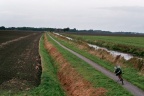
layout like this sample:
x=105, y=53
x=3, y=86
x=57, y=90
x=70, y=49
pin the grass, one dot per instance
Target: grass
x=50, y=85
x=134, y=41
x=131, y=74
x=133, y=45
x=96, y=78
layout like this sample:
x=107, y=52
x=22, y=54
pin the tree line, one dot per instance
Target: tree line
x=69, y=30
x=38, y=29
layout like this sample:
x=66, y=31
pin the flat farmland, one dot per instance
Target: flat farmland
x=135, y=41
x=18, y=61
x=133, y=45
x=11, y=35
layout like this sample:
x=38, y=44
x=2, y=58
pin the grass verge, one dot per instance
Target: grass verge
x=50, y=85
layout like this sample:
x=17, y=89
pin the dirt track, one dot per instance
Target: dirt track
x=127, y=85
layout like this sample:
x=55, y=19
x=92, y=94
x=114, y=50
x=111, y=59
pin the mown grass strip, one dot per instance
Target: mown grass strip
x=96, y=78
x=130, y=74
x=50, y=85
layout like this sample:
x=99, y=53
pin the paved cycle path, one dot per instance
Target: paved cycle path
x=127, y=85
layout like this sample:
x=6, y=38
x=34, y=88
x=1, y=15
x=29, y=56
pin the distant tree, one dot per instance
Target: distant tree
x=11, y=28
x=91, y=30
x=73, y=30
x=51, y=29
x=2, y=28
x=66, y=29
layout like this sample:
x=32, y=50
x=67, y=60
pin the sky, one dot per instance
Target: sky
x=108, y=15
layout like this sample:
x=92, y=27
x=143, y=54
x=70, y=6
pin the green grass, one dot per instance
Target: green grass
x=134, y=41
x=50, y=85
x=133, y=45
x=131, y=74
x=96, y=78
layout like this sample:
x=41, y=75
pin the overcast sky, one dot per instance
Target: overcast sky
x=110, y=15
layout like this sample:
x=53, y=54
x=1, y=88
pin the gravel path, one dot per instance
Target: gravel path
x=127, y=85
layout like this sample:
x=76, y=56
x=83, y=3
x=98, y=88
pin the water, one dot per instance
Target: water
x=64, y=36
x=69, y=38
x=113, y=53
x=58, y=34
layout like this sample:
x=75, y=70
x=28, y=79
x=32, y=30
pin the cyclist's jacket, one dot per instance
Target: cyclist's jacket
x=118, y=71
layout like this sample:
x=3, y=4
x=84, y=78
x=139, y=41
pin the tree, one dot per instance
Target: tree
x=66, y=29
x=2, y=28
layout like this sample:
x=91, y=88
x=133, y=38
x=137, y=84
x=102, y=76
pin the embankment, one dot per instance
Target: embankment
x=73, y=83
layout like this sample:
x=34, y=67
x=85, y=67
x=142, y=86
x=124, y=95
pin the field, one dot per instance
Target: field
x=132, y=41
x=62, y=73
x=18, y=61
x=19, y=74
x=11, y=35
x=132, y=45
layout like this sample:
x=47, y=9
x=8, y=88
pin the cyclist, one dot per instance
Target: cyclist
x=118, y=73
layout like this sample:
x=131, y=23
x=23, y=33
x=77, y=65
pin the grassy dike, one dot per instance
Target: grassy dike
x=96, y=78
x=130, y=74
x=50, y=85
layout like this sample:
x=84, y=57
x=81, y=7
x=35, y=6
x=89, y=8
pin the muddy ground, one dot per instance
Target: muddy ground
x=11, y=35
x=18, y=64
